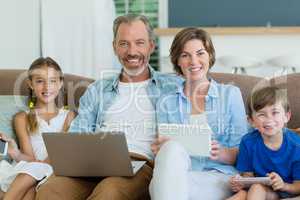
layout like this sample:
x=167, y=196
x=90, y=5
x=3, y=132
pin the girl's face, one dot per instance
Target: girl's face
x=45, y=84
x=194, y=60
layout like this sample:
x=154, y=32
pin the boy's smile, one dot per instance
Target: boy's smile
x=270, y=120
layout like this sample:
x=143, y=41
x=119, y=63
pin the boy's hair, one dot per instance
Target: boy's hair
x=37, y=64
x=267, y=96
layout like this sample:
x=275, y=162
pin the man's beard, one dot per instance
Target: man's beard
x=139, y=69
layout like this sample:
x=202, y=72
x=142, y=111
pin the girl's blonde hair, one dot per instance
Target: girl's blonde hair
x=37, y=64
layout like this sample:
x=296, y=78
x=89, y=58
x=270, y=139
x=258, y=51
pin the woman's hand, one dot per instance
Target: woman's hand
x=223, y=154
x=215, y=150
x=158, y=142
x=12, y=150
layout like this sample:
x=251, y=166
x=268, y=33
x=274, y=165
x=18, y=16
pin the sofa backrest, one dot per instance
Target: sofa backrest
x=12, y=82
x=246, y=83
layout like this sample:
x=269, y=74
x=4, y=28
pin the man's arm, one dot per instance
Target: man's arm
x=87, y=112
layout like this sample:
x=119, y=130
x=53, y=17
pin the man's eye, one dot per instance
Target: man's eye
x=141, y=43
x=123, y=44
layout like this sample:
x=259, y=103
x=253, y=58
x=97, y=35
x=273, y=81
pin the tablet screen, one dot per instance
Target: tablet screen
x=195, y=139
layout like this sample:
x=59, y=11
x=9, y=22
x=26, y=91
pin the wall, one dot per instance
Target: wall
x=260, y=47
x=234, y=13
x=19, y=35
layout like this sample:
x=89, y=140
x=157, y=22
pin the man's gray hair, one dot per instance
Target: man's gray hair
x=129, y=18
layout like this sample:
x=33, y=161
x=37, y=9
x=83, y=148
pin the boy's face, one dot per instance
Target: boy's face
x=270, y=120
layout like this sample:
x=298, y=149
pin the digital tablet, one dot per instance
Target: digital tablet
x=252, y=180
x=195, y=139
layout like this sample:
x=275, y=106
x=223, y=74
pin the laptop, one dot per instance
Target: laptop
x=90, y=154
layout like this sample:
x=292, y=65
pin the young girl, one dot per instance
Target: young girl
x=45, y=81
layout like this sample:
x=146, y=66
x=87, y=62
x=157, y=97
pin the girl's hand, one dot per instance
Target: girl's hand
x=12, y=150
x=215, y=150
x=235, y=186
x=276, y=181
x=158, y=142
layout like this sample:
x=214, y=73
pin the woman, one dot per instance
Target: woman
x=176, y=174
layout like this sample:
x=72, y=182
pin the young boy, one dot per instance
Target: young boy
x=270, y=150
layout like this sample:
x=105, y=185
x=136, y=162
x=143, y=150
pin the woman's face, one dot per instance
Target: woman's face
x=194, y=61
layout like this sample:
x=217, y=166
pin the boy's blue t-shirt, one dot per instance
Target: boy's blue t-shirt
x=254, y=156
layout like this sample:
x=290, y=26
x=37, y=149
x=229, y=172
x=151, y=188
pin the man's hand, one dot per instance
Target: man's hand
x=158, y=142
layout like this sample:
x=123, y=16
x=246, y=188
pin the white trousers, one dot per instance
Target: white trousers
x=174, y=180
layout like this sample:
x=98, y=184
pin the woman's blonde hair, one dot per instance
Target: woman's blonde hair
x=37, y=64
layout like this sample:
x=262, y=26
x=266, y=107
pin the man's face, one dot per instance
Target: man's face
x=133, y=47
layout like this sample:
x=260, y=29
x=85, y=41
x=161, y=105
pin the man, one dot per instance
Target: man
x=126, y=101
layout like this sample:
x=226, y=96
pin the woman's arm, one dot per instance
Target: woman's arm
x=238, y=126
x=20, y=125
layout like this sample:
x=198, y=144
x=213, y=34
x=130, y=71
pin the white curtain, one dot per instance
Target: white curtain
x=78, y=34
x=19, y=33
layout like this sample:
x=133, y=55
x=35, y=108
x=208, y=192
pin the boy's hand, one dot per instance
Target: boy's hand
x=235, y=186
x=276, y=181
x=158, y=142
x=12, y=150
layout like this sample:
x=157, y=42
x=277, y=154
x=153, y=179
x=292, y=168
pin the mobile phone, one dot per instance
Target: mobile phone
x=3, y=147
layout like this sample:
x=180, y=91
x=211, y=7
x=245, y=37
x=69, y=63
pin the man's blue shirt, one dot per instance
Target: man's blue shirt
x=101, y=94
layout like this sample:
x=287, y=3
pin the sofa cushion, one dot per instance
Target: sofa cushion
x=291, y=82
x=9, y=106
